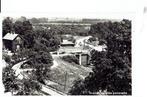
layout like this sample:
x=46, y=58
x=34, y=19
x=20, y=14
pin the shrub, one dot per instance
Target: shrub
x=7, y=58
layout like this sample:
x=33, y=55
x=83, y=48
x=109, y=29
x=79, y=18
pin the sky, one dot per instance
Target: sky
x=72, y=8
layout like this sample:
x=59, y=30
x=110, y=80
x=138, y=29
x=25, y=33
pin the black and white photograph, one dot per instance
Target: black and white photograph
x=66, y=56
x=73, y=48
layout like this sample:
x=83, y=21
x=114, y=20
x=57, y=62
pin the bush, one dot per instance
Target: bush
x=9, y=79
x=7, y=58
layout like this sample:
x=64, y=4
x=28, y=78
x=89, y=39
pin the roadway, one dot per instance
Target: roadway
x=46, y=89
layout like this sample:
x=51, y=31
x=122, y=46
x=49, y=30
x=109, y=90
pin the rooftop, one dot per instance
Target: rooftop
x=10, y=36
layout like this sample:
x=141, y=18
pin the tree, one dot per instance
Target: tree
x=9, y=79
x=47, y=38
x=78, y=88
x=112, y=69
x=34, y=20
x=40, y=43
x=25, y=30
x=28, y=87
x=18, y=27
x=41, y=61
x=19, y=87
x=7, y=26
x=21, y=27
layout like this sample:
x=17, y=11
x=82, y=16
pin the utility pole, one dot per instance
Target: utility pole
x=84, y=44
x=65, y=80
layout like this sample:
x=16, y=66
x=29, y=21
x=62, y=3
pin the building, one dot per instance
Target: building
x=84, y=59
x=67, y=40
x=12, y=42
x=67, y=43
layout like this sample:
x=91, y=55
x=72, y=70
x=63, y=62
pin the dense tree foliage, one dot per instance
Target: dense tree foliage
x=21, y=27
x=68, y=29
x=28, y=87
x=38, y=45
x=25, y=30
x=7, y=26
x=112, y=69
x=16, y=86
x=9, y=79
x=44, y=43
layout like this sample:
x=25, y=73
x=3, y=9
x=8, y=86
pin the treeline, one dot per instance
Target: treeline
x=111, y=68
x=38, y=20
x=81, y=30
x=70, y=29
x=67, y=20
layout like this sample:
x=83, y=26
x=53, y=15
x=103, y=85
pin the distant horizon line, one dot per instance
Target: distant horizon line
x=65, y=18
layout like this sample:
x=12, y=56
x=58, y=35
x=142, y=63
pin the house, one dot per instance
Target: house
x=12, y=42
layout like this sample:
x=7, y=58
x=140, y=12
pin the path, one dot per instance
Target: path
x=46, y=89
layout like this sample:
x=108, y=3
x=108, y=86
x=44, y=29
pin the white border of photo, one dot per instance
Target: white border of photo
x=101, y=9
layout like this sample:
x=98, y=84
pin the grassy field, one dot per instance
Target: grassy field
x=65, y=74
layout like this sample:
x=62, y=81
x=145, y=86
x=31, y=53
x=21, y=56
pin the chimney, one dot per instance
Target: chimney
x=12, y=32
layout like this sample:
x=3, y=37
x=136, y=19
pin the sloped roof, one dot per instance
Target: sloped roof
x=10, y=36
